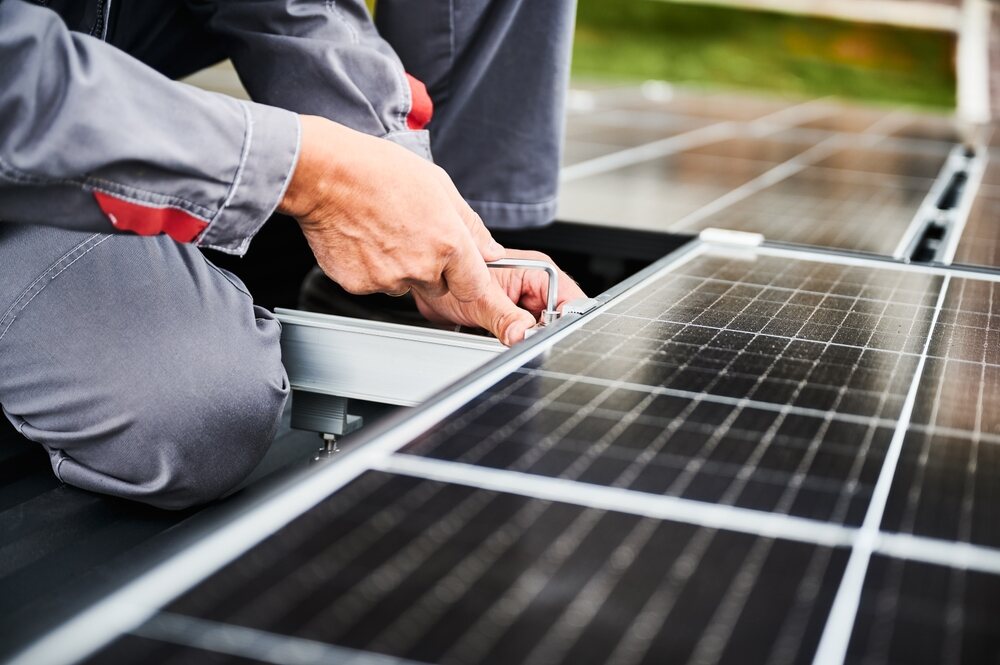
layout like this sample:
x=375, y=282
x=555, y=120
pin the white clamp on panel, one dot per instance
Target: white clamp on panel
x=728, y=237
x=580, y=306
x=551, y=312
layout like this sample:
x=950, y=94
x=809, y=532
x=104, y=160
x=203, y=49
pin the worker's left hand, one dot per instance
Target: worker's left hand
x=511, y=305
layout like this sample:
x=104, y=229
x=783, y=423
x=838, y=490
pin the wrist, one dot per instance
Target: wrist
x=299, y=198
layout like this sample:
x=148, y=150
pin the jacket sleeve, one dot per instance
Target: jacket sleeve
x=321, y=57
x=91, y=139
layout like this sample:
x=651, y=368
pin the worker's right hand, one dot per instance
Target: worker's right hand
x=380, y=219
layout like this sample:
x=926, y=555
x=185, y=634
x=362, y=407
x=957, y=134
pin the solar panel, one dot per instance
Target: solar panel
x=767, y=384
x=434, y=572
x=613, y=128
x=991, y=176
x=722, y=106
x=889, y=158
x=980, y=242
x=716, y=466
x=827, y=208
x=913, y=612
x=947, y=485
x=772, y=148
x=788, y=179
x=930, y=129
x=846, y=120
x=658, y=192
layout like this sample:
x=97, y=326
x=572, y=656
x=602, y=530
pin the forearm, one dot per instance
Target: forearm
x=324, y=59
x=91, y=139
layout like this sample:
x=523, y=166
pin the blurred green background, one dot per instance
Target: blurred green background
x=705, y=45
x=778, y=53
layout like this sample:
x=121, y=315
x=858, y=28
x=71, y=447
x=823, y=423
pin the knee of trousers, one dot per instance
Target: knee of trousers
x=179, y=447
x=160, y=383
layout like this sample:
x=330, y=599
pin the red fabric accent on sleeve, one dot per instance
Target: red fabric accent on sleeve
x=148, y=220
x=422, y=108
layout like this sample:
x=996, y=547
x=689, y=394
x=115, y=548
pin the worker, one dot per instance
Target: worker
x=144, y=370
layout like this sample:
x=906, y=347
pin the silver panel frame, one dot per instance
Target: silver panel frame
x=375, y=361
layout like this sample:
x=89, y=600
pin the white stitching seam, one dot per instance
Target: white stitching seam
x=277, y=201
x=28, y=288
x=51, y=278
x=331, y=6
x=244, y=157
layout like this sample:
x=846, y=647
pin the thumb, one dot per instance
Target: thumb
x=496, y=312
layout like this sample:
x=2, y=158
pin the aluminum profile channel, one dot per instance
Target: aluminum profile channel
x=379, y=362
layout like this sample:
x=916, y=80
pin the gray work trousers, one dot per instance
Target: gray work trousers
x=147, y=372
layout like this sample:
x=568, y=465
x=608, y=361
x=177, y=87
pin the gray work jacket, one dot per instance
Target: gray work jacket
x=92, y=138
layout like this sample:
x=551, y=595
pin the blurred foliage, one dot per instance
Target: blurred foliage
x=650, y=39
x=720, y=46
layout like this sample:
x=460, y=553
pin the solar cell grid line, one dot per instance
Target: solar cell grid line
x=784, y=504
x=918, y=613
x=572, y=445
x=839, y=157
x=841, y=620
x=780, y=172
x=180, y=640
x=655, y=207
x=644, y=504
x=566, y=378
x=786, y=644
x=856, y=120
x=972, y=238
x=609, y=390
x=277, y=599
x=980, y=240
x=932, y=128
x=505, y=609
x=791, y=115
x=822, y=151
x=813, y=207
x=947, y=485
x=885, y=158
x=940, y=552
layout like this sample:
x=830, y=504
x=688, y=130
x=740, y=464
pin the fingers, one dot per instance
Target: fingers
x=498, y=314
x=466, y=275
x=568, y=289
x=531, y=287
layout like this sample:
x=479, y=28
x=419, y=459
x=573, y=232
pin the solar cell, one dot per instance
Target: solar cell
x=750, y=381
x=433, y=572
x=658, y=192
x=846, y=120
x=948, y=483
x=889, y=159
x=766, y=149
x=930, y=129
x=826, y=208
x=721, y=106
x=913, y=612
x=627, y=130
x=991, y=176
x=980, y=241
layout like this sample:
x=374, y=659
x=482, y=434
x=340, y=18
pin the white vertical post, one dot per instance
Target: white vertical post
x=973, y=62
